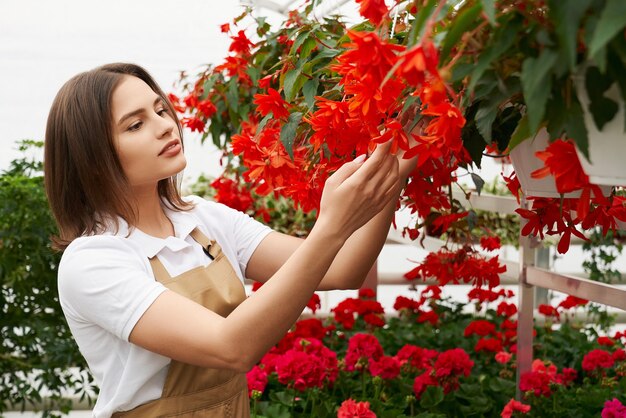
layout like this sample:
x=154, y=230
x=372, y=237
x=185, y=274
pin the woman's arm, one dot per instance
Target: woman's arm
x=183, y=330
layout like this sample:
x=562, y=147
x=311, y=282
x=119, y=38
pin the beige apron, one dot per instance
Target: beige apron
x=192, y=391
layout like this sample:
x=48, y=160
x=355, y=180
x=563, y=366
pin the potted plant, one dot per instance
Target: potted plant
x=301, y=99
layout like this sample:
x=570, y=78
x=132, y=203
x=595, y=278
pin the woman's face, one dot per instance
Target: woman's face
x=145, y=134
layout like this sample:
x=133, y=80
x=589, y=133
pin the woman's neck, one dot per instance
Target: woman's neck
x=152, y=219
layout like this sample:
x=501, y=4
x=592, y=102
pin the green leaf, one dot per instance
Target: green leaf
x=288, y=132
x=489, y=7
x=300, y=39
x=478, y=182
x=520, y=134
x=567, y=16
x=309, y=90
x=465, y=20
x=289, y=85
x=536, y=84
x=612, y=21
x=306, y=49
x=504, y=37
x=575, y=127
x=487, y=112
x=432, y=396
x=602, y=108
x=417, y=27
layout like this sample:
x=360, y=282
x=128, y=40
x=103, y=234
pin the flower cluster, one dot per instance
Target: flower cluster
x=464, y=265
x=564, y=217
x=327, y=369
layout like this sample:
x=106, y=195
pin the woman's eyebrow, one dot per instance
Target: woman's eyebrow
x=138, y=111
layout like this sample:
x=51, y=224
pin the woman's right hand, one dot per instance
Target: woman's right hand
x=358, y=191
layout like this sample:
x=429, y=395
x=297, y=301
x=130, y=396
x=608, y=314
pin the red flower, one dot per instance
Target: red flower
x=548, y=311
x=352, y=409
x=417, y=63
x=404, y=303
x=257, y=380
x=572, y=301
x=314, y=303
x=506, y=309
x=493, y=345
x=606, y=341
x=490, y=243
x=361, y=349
x=537, y=382
x=512, y=407
x=271, y=102
x=619, y=355
x=562, y=162
x=453, y=363
x=175, y=101
x=428, y=316
x=195, y=124
x=597, y=359
x=422, y=381
x=311, y=328
x=206, y=108
x=417, y=357
x=232, y=194
x=480, y=327
x=376, y=320
x=386, y=367
x=224, y=28
x=241, y=44
x=373, y=10
x=463, y=265
x=365, y=293
x=309, y=364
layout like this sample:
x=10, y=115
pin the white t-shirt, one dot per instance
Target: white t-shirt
x=106, y=284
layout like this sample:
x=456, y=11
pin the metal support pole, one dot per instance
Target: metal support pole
x=526, y=305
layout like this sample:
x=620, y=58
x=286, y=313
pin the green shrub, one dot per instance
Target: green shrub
x=40, y=365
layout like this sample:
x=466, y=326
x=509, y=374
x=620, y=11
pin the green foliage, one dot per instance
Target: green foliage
x=38, y=356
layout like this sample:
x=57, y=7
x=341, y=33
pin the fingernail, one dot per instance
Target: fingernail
x=359, y=159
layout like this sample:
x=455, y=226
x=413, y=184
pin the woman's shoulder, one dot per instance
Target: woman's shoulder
x=99, y=249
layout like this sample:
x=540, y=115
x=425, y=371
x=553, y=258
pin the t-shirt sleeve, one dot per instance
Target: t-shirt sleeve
x=103, y=280
x=243, y=231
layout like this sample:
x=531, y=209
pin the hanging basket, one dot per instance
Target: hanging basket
x=607, y=148
x=525, y=162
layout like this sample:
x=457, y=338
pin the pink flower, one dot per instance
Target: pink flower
x=513, y=406
x=503, y=357
x=613, y=409
x=352, y=409
x=257, y=380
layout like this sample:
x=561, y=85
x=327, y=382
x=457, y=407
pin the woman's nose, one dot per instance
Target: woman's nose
x=166, y=126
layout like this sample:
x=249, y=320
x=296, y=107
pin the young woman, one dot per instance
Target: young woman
x=151, y=283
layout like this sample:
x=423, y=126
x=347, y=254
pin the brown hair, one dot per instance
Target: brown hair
x=84, y=180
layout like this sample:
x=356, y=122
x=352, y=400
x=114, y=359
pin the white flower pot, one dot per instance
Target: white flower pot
x=607, y=148
x=525, y=162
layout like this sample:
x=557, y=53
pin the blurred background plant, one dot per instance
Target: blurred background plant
x=39, y=361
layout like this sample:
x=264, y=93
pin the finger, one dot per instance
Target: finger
x=346, y=170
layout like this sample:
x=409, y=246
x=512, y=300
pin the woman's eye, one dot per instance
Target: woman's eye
x=135, y=126
x=162, y=112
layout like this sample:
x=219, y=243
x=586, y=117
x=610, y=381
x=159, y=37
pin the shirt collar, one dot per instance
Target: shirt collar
x=184, y=222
